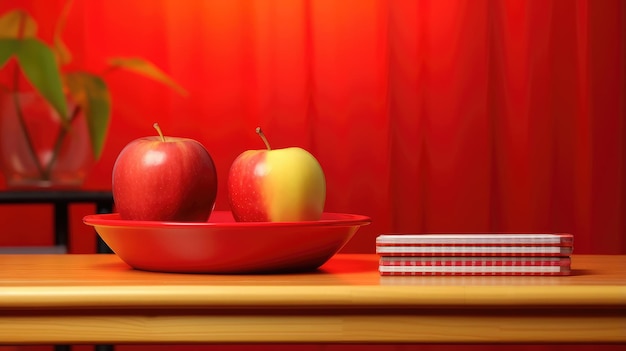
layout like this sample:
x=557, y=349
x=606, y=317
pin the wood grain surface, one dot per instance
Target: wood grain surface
x=99, y=299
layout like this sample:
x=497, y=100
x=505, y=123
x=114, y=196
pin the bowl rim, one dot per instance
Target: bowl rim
x=336, y=219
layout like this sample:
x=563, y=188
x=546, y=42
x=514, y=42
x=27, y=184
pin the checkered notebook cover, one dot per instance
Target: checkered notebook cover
x=428, y=266
x=474, y=245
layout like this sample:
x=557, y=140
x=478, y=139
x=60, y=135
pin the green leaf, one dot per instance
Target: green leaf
x=8, y=48
x=40, y=67
x=17, y=24
x=147, y=69
x=90, y=92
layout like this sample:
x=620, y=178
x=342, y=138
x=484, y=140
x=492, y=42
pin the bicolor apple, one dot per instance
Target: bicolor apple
x=276, y=185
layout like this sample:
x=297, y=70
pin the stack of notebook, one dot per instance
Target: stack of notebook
x=474, y=254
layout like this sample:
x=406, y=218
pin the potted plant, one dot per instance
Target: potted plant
x=53, y=121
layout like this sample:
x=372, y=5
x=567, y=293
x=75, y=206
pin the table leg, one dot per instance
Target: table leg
x=61, y=226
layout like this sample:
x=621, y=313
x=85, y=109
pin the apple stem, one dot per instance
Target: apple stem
x=260, y=133
x=158, y=129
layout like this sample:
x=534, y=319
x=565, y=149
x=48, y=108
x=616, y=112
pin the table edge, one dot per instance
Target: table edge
x=234, y=297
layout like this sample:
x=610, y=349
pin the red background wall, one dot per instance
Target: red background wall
x=428, y=116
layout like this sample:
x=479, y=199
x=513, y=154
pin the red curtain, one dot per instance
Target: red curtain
x=428, y=116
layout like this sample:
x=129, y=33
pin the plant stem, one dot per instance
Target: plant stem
x=23, y=127
x=65, y=127
x=20, y=113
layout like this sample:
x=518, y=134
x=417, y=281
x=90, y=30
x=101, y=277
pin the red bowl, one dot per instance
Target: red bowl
x=225, y=246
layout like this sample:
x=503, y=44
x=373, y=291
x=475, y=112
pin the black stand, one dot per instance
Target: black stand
x=61, y=199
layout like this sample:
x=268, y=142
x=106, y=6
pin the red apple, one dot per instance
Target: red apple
x=164, y=179
x=281, y=185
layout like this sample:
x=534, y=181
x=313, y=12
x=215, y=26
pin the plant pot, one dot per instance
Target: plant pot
x=36, y=148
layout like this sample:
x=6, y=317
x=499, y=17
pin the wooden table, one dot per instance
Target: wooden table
x=87, y=299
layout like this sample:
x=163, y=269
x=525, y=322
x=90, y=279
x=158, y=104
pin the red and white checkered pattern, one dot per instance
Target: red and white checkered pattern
x=474, y=266
x=474, y=254
x=556, y=245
